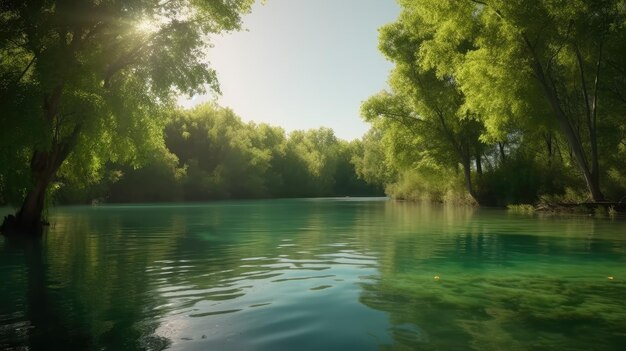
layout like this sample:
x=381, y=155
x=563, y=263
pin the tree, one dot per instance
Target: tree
x=427, y=105
x=544, y=59
x=370, y=161
x=528, y=74
x=83, y=82
x=223, y=157
x=309, y=163
x=210, y=153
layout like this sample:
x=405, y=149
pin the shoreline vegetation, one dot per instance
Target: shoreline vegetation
x=492, y=103
x=503, y=104
x=600, y=209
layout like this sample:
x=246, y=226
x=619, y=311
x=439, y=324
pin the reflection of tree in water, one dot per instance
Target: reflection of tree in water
x=112, y=278
x=13, y=289
x=41, y=322
x=235, y=245
x=117, y=279
x=496, y=292
x=86, y=286
x=243, y=256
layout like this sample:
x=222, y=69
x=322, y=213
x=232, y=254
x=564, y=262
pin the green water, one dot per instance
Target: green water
x=342, y=274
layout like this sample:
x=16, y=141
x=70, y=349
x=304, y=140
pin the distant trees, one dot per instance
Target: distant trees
x=211, y=154
x=86, y=82
x=221, y=156
x=491, y=84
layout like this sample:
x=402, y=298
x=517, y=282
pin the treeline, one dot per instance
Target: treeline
x=211, y=154
x=490, y=101
x=502, y=102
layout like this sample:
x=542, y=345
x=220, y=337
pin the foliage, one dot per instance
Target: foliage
x=429, y=186
x=526, y=99
x=521, y=208
x=89, y=81
x=212, y=154
x=370, y=161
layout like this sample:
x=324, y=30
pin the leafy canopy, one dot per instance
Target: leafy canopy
x=101, y=72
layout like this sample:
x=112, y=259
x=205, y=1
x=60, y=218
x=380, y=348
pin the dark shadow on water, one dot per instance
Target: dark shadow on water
x=51, y=306
x=45, y=322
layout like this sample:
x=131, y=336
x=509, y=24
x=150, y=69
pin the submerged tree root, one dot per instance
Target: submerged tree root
x=12, y=226
x=584, y=207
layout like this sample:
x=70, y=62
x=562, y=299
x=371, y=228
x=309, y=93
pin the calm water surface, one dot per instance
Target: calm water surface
x=334, y=274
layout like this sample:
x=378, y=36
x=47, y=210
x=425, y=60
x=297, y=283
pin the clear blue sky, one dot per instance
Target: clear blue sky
x=304, y=64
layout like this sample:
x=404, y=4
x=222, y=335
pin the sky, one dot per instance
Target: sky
x=303, y=64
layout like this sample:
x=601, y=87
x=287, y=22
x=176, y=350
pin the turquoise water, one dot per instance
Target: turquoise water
x=332, y=274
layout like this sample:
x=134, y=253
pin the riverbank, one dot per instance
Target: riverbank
x=591, y=208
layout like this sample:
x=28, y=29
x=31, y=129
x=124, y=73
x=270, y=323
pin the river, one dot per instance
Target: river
x=314, y=274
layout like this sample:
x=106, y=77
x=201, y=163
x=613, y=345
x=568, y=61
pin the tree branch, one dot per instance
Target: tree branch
x=596, y=84
x=484, y=3
x=583, y=82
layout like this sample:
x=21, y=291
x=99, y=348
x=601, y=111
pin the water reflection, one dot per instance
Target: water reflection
x=310, y=275
x=227, y=275
x=488, y=282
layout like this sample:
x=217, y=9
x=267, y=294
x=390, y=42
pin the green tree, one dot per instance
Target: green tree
x=535, y=85
x=370, y=161
x=427, y=105
x=156, y=181
x=318, y=149
x=212, y=154
x=83, y=82
x=223, y=157
x=550, y=60
x=347, y=180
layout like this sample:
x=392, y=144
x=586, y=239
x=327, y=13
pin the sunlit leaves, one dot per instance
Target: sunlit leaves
x=518, y=73
x=109, y=69
x=213, y=154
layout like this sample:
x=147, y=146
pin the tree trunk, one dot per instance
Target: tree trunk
x=592, y=180
x=29, y=218
x=30, y=214
x=549, y=149
x=502, y=153
x=44, y=166
x=467, y=172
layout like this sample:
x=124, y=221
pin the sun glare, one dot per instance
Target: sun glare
x=147, y=26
